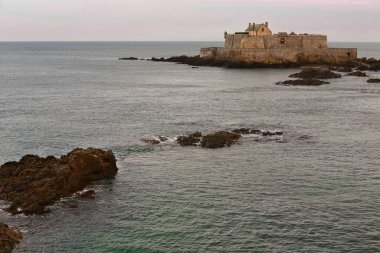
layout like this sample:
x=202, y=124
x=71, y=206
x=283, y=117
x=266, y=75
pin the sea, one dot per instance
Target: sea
x=315, y=189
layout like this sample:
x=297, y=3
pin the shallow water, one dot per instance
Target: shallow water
x=314, y=194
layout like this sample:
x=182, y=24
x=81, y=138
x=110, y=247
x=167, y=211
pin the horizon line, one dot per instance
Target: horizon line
x=7, y=41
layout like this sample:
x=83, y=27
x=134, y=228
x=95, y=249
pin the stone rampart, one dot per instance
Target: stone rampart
x=245, y=41
x=282, y=55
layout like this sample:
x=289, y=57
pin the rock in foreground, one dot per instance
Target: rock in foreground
x=34, y=182
x=316, y=73
x=303, y=82
x=9, y=237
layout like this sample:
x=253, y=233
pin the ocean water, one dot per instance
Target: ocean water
x=316, y=190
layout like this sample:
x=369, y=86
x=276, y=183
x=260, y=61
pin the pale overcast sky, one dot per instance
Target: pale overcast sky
x=183, y=20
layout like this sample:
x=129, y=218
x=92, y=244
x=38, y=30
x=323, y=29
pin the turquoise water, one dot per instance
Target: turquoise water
x=314, y=194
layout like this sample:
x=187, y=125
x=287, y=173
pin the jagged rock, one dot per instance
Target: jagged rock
x=151, y=141
x=198, y=61
x=373, y=80
x=129, y=58
x=316, y=73
x=34, y=182
x=357, y=73
x=191, y=140
x=304, y=82
x=375, y=67
x=9, y=237
x=90, y=194
x=219, y=139
x=163, y=138
x=341, y=68
x=268, y=133
x=371, y=60
x=246, y=131
x=363, y=67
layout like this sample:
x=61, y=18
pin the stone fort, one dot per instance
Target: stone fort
x=258, y=45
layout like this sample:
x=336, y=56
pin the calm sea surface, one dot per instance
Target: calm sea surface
x=317, y=193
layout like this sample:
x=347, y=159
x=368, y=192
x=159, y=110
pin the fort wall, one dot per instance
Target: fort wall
x=233, y=41
x=282, y=55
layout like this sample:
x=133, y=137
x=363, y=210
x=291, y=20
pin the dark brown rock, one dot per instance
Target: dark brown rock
x=199, y=61
x=246, y=131
x=9, y=237
x=268, y=133
x=316, y=73
x=34, y=182
x=375, y=67
x=373, y=80
x=363, y=67
x=190, y=140
x=128, y=59
x=302, y=82
x=371, y=60
x=90, y=194
x=219, y=139
x=357, y=73
x=163, y=138
x=151, y=141
x=72, y=206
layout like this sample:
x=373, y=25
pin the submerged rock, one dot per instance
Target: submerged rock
x=341, y=68
x=246, y=131
x=316, y=73
x=303, y=82
x=90, y=194
x=357, y=73
x=151, y=141
x=9, y=237
x=35, y=182
x=373, y=80
x=128, y=59
x=219, y=139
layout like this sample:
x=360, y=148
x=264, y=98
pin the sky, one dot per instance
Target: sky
x=183, y=20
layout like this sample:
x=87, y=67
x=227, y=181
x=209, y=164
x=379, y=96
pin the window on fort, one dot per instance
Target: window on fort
x=262, y=29
x=282, y=40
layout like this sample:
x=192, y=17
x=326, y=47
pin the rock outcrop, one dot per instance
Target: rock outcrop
x=33, y=183
x=199, y=61
x=357, y=73
x=128, y=59
x=9, y=237
x=360, y=64
x=368, y=64
x=373, y=80
x=219, y=139
x=316, y=73
x=193, y=139
x=303, y=82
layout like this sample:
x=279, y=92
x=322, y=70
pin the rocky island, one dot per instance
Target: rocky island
x=258, y=47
